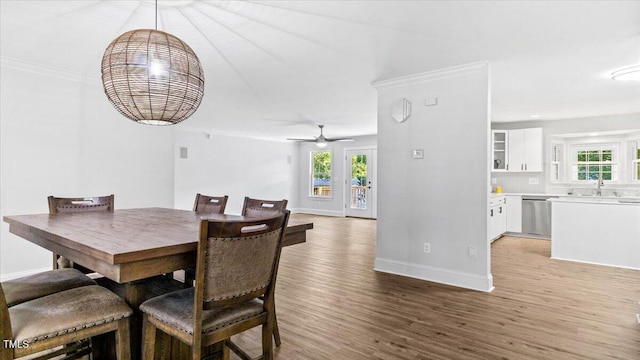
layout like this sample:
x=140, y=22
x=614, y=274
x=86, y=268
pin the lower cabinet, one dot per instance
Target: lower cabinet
x=497, y=217
x=514, y=213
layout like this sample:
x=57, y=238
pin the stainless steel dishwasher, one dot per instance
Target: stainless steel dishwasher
x=536, y=216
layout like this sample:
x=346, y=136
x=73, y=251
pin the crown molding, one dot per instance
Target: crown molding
x=431, y=75
x=46, y=70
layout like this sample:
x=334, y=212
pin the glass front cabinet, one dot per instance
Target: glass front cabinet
x=499, y=148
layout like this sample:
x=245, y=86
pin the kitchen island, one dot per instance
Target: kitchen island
x=597, y=230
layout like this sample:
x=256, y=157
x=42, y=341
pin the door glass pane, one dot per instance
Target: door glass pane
x=359, y=182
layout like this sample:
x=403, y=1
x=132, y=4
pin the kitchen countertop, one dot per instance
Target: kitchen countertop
x=633, y=201
x=494, y=194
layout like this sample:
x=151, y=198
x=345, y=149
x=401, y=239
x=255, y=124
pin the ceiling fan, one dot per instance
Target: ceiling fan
x=321, y=141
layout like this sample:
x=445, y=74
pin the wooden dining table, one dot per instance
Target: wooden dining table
x=128, y=246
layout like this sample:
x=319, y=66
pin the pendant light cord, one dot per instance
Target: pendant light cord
x=156, y=14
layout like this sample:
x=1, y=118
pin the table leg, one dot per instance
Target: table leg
x=134, y=295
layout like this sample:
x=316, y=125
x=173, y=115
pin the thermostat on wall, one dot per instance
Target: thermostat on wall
x=417, y=153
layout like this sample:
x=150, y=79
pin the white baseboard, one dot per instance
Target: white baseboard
x=439, y=275
x=19, y=274
x=317, y=212
x=595, y=263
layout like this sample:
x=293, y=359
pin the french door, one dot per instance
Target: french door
x=360, y=194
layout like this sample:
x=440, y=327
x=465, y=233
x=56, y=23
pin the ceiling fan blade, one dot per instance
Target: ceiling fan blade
x=339, y=139
x=307, y=140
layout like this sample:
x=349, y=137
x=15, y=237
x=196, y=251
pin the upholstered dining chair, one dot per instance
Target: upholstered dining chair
x=237, y=261
x=17, y=291
x=53, y=322
x=205, y=204
x=258, y=207
x=210, y=204
x=59, y=205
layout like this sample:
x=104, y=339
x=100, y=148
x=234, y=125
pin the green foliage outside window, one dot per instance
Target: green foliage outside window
x=359, y=169
x=321, y=173
x=593, y=163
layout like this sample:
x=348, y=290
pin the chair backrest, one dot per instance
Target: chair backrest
x=5, y=327
x=210, y=204
x=68, y=205
x=238, y=259
x=257, y=207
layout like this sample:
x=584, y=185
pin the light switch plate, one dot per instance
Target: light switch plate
x=417, y=153
x=431, y=101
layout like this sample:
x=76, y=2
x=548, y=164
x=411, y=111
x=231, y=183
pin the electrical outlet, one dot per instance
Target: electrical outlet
x=534, y=181
x=427, y=248
x=494, y=181
x=472, y=252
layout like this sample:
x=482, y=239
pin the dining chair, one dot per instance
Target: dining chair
x=210, y=204
x=59, y=205
x=258, y=207
x=237, y=261
x=63, y=323
x=42, y=284
x=205, y=204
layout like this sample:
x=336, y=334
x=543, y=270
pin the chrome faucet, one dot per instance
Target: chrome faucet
x=600, y=185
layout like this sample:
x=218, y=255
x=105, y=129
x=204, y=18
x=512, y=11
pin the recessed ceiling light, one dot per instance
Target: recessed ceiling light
x=627, y=74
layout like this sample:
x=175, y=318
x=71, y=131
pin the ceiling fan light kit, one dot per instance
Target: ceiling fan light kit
x=152, y=77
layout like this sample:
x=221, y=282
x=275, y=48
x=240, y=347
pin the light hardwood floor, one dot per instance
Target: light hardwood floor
x=332, y=305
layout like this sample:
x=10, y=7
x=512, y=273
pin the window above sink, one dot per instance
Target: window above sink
x=614, y=157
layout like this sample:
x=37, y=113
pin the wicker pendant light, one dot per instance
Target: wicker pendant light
x=152, y=77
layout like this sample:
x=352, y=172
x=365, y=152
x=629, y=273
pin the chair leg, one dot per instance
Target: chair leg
x=225, y=351
x=148, y=339
x=123, y=346
x=267, y=343
x=189, y=278
x=276, y=331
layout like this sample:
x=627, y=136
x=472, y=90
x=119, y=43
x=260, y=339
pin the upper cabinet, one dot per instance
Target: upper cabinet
x=499, y=150
x=522, y=150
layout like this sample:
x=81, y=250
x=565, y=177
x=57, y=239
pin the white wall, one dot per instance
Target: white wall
x=333, y=206
x=60, y=136
x=442, y=198
x=238, y=167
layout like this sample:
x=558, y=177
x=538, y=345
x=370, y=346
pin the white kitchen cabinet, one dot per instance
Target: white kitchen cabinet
x=497, y=217
x=514, y=213
x=499, y=146
x=517, y=150
x=525, y=150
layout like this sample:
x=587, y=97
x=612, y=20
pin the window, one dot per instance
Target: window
x=588, y=161
x=635, y=163
x=321, y=173
x=555, y=169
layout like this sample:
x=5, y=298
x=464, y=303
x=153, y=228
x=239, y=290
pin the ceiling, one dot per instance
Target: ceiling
x=276, y=69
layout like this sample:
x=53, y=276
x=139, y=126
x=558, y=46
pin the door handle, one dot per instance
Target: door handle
x=491, y=212
x=500, y=209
